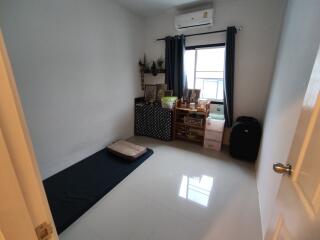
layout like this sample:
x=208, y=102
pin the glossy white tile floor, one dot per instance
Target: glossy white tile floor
x=182, y=192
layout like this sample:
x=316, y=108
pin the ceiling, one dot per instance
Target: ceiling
x=151, y=7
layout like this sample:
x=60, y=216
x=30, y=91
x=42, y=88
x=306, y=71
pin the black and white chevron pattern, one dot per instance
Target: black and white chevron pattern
x=153, y=121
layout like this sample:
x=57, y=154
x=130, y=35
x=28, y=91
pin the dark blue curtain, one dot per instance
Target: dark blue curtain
x=229, y=75
x=174, y=64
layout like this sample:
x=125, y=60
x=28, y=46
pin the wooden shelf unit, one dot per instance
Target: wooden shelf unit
x=186, y=131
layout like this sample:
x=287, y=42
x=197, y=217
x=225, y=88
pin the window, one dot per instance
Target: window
x=205, y=71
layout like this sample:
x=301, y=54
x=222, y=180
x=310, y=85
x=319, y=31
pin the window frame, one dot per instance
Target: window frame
x=196, y=47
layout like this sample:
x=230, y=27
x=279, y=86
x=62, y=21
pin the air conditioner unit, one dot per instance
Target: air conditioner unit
x=203, y=18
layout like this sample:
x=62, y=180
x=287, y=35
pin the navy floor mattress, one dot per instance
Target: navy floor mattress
x=74, y=190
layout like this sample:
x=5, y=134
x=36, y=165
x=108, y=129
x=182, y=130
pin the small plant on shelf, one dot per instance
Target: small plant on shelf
x=142, y=66
x=160, y=63
x=153, y=67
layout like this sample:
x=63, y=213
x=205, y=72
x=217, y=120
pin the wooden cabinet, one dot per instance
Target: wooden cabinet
x=189, y=124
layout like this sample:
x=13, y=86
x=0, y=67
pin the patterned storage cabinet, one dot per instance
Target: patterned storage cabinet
x=152, y=120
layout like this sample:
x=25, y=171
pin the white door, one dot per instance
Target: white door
x=296, y=214
x=24, y=209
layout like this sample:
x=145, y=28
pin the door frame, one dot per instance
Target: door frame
x=19, y=145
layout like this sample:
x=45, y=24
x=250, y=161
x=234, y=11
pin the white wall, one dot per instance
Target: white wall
x=297, y=51
x=256, y=46
x=75, y=64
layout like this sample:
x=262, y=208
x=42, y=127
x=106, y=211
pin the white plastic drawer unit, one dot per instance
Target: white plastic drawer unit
x=211, y=144
x=215, y=125
x=213, y=135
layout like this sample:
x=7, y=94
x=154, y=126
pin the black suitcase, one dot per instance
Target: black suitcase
x=245, y=138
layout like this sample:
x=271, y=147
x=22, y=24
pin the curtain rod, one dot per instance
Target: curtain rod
x=197, y=34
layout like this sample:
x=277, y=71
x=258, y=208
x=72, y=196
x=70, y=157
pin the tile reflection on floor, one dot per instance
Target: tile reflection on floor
x=182, y=191
x=196, y=189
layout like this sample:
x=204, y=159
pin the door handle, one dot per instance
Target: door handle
x=282, y=169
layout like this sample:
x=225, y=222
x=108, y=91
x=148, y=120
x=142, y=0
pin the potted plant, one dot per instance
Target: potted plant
x=160, y=63
x=154, y=69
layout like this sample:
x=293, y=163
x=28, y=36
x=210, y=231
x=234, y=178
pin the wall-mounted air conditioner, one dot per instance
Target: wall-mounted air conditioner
x=203, y=18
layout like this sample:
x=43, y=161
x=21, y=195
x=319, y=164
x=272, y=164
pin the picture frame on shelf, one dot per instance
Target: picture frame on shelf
x=168, y=93
x=150, y=93
x=193, y=95
x=161, y=88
